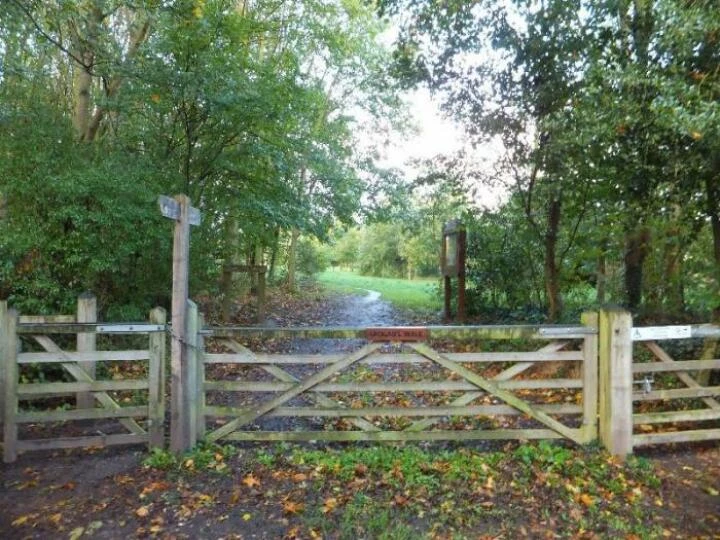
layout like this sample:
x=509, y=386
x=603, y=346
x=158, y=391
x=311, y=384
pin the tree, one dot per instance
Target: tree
x=222, y=100
x=509, y=93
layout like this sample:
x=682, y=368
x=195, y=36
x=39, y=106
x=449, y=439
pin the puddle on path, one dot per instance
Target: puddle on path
x=367, y=310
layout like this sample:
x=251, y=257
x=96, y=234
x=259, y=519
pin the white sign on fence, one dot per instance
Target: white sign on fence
x=652, y=333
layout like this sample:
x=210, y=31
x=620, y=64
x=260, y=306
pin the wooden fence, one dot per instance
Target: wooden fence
x=395, y=384
x=603, y=378
x=20, y=339
x=636, y=409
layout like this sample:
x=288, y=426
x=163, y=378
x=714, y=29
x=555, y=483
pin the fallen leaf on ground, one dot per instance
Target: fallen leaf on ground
x=329, y=505
x=291, y=507
x=250, y=481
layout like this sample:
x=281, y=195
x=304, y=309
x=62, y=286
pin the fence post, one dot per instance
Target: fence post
x=8, y=349
x=86, y=342
x=616, y=425
x=179, y=441
x=590, y=377
x=156, y=380
x=200, y=377
x=191, y=383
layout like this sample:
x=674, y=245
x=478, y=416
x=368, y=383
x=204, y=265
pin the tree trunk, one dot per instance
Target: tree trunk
x=636, y=250
x=231, y=249
x=712, y=193
x=273, y=254
x=82, y=84
x=672, y=280
x=601, y=275
x=552, y=272
x=292, y=259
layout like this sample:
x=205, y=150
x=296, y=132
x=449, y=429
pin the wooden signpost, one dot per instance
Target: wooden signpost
x=184, y=215
x=453, y=266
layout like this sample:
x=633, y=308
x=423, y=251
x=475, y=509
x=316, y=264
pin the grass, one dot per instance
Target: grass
x=410, y=492
x=418, y=294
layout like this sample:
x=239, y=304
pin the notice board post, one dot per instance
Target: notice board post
x=453, y=250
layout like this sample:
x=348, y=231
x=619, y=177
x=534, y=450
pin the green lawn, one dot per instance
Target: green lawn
x=412, y=294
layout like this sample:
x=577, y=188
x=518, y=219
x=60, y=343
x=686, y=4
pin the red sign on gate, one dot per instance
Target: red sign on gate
x=400, y=333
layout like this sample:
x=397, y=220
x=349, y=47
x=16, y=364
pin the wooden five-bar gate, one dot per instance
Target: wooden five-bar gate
x=399, y=384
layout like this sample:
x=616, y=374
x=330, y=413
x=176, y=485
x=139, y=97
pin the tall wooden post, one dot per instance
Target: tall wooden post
x=452, y=263
x=191, y=380
x=200, y=377
x=86, y=342
x=8, y=352
x=589, y=319
x=462, y=247
x=615, y=386
x=184, y=215
x=156, y=380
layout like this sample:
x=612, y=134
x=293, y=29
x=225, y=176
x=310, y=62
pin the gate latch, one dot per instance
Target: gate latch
x=646, y=383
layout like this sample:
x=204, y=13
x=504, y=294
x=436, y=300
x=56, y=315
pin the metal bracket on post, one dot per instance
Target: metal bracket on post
x=646, y=383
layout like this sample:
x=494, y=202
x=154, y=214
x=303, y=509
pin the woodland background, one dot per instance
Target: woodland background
x=273, y=117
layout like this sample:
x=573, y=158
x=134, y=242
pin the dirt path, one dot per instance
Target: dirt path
x=367, y=310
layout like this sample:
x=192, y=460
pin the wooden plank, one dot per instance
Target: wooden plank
x=96, y=356
x=696, y=415
x=615, y=386
x=40, y=389
x=416, y=386
x=179, y=435
x=493, y=388
x=441, y=411
x=250, y=358
x=156, y=382
x=103, y=398
x=8, y=348
x=683, y=365
x=86, y=343
x=282, y=375
x=469, y=397
x=192, y=384
x=460, y=435
x=434, y=332
x=685, y=377
x=97, y=328
x=46, y=319
x=590, y=377
x=677, y=393
x=82, y=442
x=296, y=390
x=80, y=414
x=676, y=437
x=201, y=427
